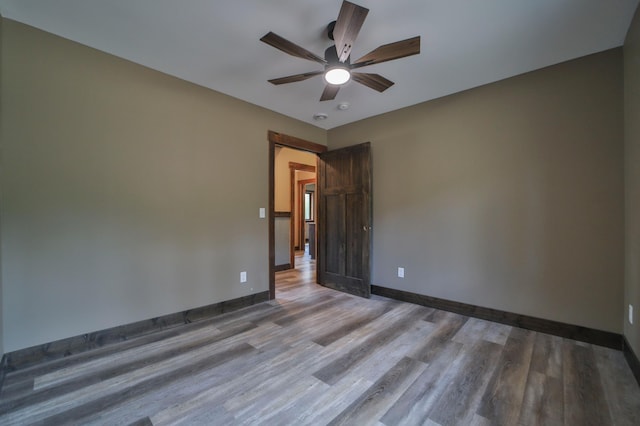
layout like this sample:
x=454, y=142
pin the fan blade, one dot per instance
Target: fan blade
x=294, y=78
x=389, y=52
x=329, y=93
x=293, y=49
x=348, y=24
x=374, y=81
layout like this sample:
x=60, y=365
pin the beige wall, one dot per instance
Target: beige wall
x=120, y=191
x=127, y=193
x=282, y=176
x=508, y=196
x=632, y=180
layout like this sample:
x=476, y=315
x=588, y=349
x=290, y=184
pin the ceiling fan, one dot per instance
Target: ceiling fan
x=337, y=67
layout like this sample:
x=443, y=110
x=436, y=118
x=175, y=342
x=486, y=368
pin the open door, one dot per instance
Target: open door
x=344, y=219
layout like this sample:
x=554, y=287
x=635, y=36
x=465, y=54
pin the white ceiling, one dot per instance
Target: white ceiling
x=215, y=43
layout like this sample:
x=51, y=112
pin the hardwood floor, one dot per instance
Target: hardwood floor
x=317, y=356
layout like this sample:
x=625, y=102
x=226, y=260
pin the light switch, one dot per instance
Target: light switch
x=263, y=213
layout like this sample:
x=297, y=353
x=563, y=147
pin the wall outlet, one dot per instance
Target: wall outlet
x=400, y=272
x=630, y=314
x=243, y=277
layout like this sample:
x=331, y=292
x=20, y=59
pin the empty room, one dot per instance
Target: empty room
x=419, y=212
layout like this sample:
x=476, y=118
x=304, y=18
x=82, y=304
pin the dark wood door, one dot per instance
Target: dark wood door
x=344, y=219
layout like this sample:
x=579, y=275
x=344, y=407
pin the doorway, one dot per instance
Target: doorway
x=305, y=215
x=344, y=214
x=280, y=140
x=299, y=176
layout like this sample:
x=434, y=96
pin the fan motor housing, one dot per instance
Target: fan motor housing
x=331, y=56
x=330, y=28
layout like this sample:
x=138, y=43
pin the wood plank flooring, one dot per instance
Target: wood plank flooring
x=317, y=356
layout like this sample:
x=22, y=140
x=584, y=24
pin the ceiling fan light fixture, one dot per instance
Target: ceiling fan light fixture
x=337, y=75
x=336, y=62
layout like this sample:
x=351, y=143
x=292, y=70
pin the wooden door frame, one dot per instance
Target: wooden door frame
x=295, y=212
x=281, y=139
x=301, y=221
